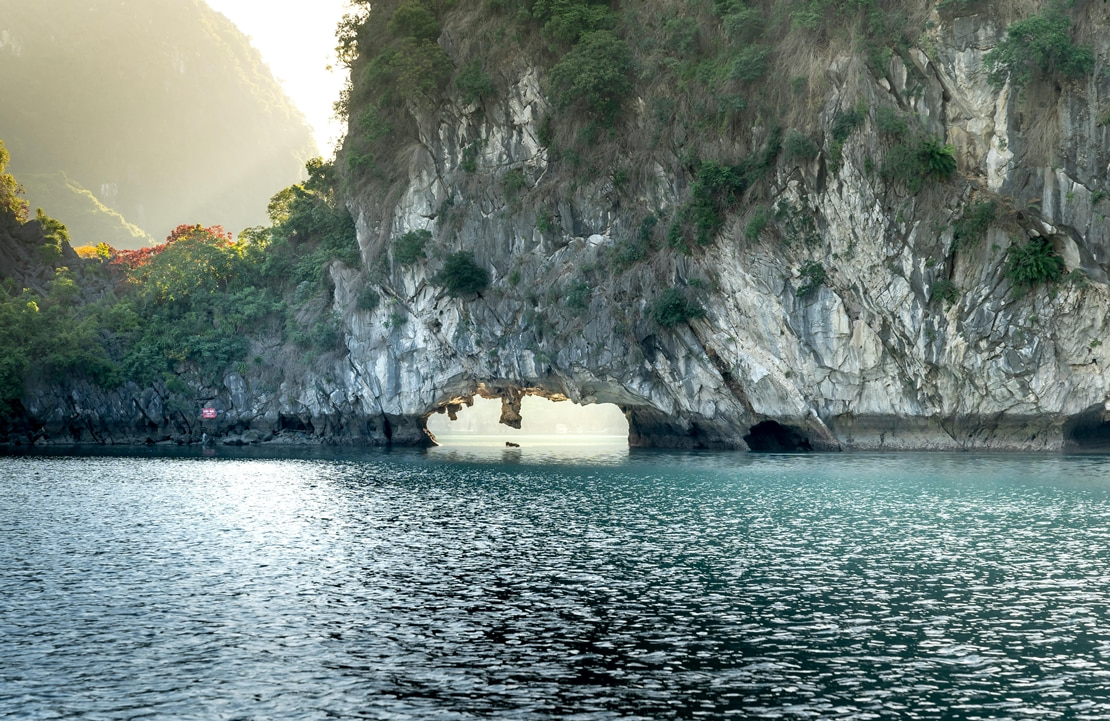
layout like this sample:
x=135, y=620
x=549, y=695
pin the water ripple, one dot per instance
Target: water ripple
x=651, y=586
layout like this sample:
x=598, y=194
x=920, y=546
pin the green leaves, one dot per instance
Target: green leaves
x=914, y=161
x=1039, y=46
x=473, y=83
x=413, y=19
x=568, y=21
x=1033, y=263
x=461, y=275
x=814, y=276
x=596, y=74
x=51, y=336
x=673, y=307
x=55, y=235
x=945, y=291
x=409, y=247
x=937, y=159
x=970, y=228
x=11, y=205
x=423, y=70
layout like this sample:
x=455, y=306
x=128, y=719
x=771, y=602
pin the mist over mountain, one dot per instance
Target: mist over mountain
x=160, y=108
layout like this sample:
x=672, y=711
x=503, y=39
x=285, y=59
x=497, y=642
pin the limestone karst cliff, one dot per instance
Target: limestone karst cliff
x=756, y=231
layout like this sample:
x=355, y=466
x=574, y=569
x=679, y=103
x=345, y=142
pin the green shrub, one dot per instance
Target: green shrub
x=797, y=223
x=1033, y=263
x=461, y=275
x=310, y=230
x=628, y=252
x=914, y=162
x=55, y=236
x=368, y=299
x=413, y=19
x=1039, y=46
x=469, y=162
x=473, y=83
x=973, y=225
x=945, y=291
x=741, y=24
x=798, y=146
x=596, y=75
x=409, y=247
x=18, y=318
x=11, y=204
x=513, y=182
x=372, y=124
x=422, y=70
x=672, y=307
x=814, y=275
x=545, y=133
x=715, y=188
x=937, y=159
x=680, y=36
x=576, y=294
x=756, y=224
x=567, y=21
x=844, y=124
x=325, y=334
x=750, y=63
x=545, y=221
x=197, y=299
x=890, y=121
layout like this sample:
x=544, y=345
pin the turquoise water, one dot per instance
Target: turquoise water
x=559, y=582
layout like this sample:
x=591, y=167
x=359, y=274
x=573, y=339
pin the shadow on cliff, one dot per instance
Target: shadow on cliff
x=1088, y=432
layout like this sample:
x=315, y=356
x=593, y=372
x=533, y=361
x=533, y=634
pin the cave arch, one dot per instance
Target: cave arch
x=1088, y=431
x=532, y=415
x=651, y=422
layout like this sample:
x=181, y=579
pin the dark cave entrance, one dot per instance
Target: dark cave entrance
x=772, y=437
x=1088, y=431
x=287, y=422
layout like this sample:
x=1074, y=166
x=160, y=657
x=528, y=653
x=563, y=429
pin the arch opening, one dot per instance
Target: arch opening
x=1088, y=431
x=534, y=419
x=772, y=437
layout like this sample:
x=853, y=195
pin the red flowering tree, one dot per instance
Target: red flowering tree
x=194, y=259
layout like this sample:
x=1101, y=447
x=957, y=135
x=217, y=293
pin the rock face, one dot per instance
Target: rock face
x=868, y=357
x=868, y=360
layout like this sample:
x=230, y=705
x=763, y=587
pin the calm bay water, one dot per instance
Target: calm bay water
x=533, y=584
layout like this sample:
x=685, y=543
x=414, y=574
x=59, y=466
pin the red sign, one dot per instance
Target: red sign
x=207, y=413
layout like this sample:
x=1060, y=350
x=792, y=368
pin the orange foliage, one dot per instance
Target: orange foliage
x=129, y=260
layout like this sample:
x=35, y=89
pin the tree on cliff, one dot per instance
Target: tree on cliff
x=12, y=206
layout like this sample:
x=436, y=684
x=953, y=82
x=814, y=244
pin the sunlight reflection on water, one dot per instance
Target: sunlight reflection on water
x=554, y=582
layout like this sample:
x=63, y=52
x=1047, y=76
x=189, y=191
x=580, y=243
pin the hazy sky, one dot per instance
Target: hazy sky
x=297, y=40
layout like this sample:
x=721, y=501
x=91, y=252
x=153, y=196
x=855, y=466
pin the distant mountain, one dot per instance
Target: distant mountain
x=161, y=108
x=88, y=220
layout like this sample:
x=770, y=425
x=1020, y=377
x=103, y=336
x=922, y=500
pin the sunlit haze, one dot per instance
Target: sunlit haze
x=539, y=417
x=297, y=40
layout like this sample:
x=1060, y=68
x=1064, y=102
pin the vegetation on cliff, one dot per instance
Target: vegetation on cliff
x=575, y=180
x=184, y=311
x=724, y=96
